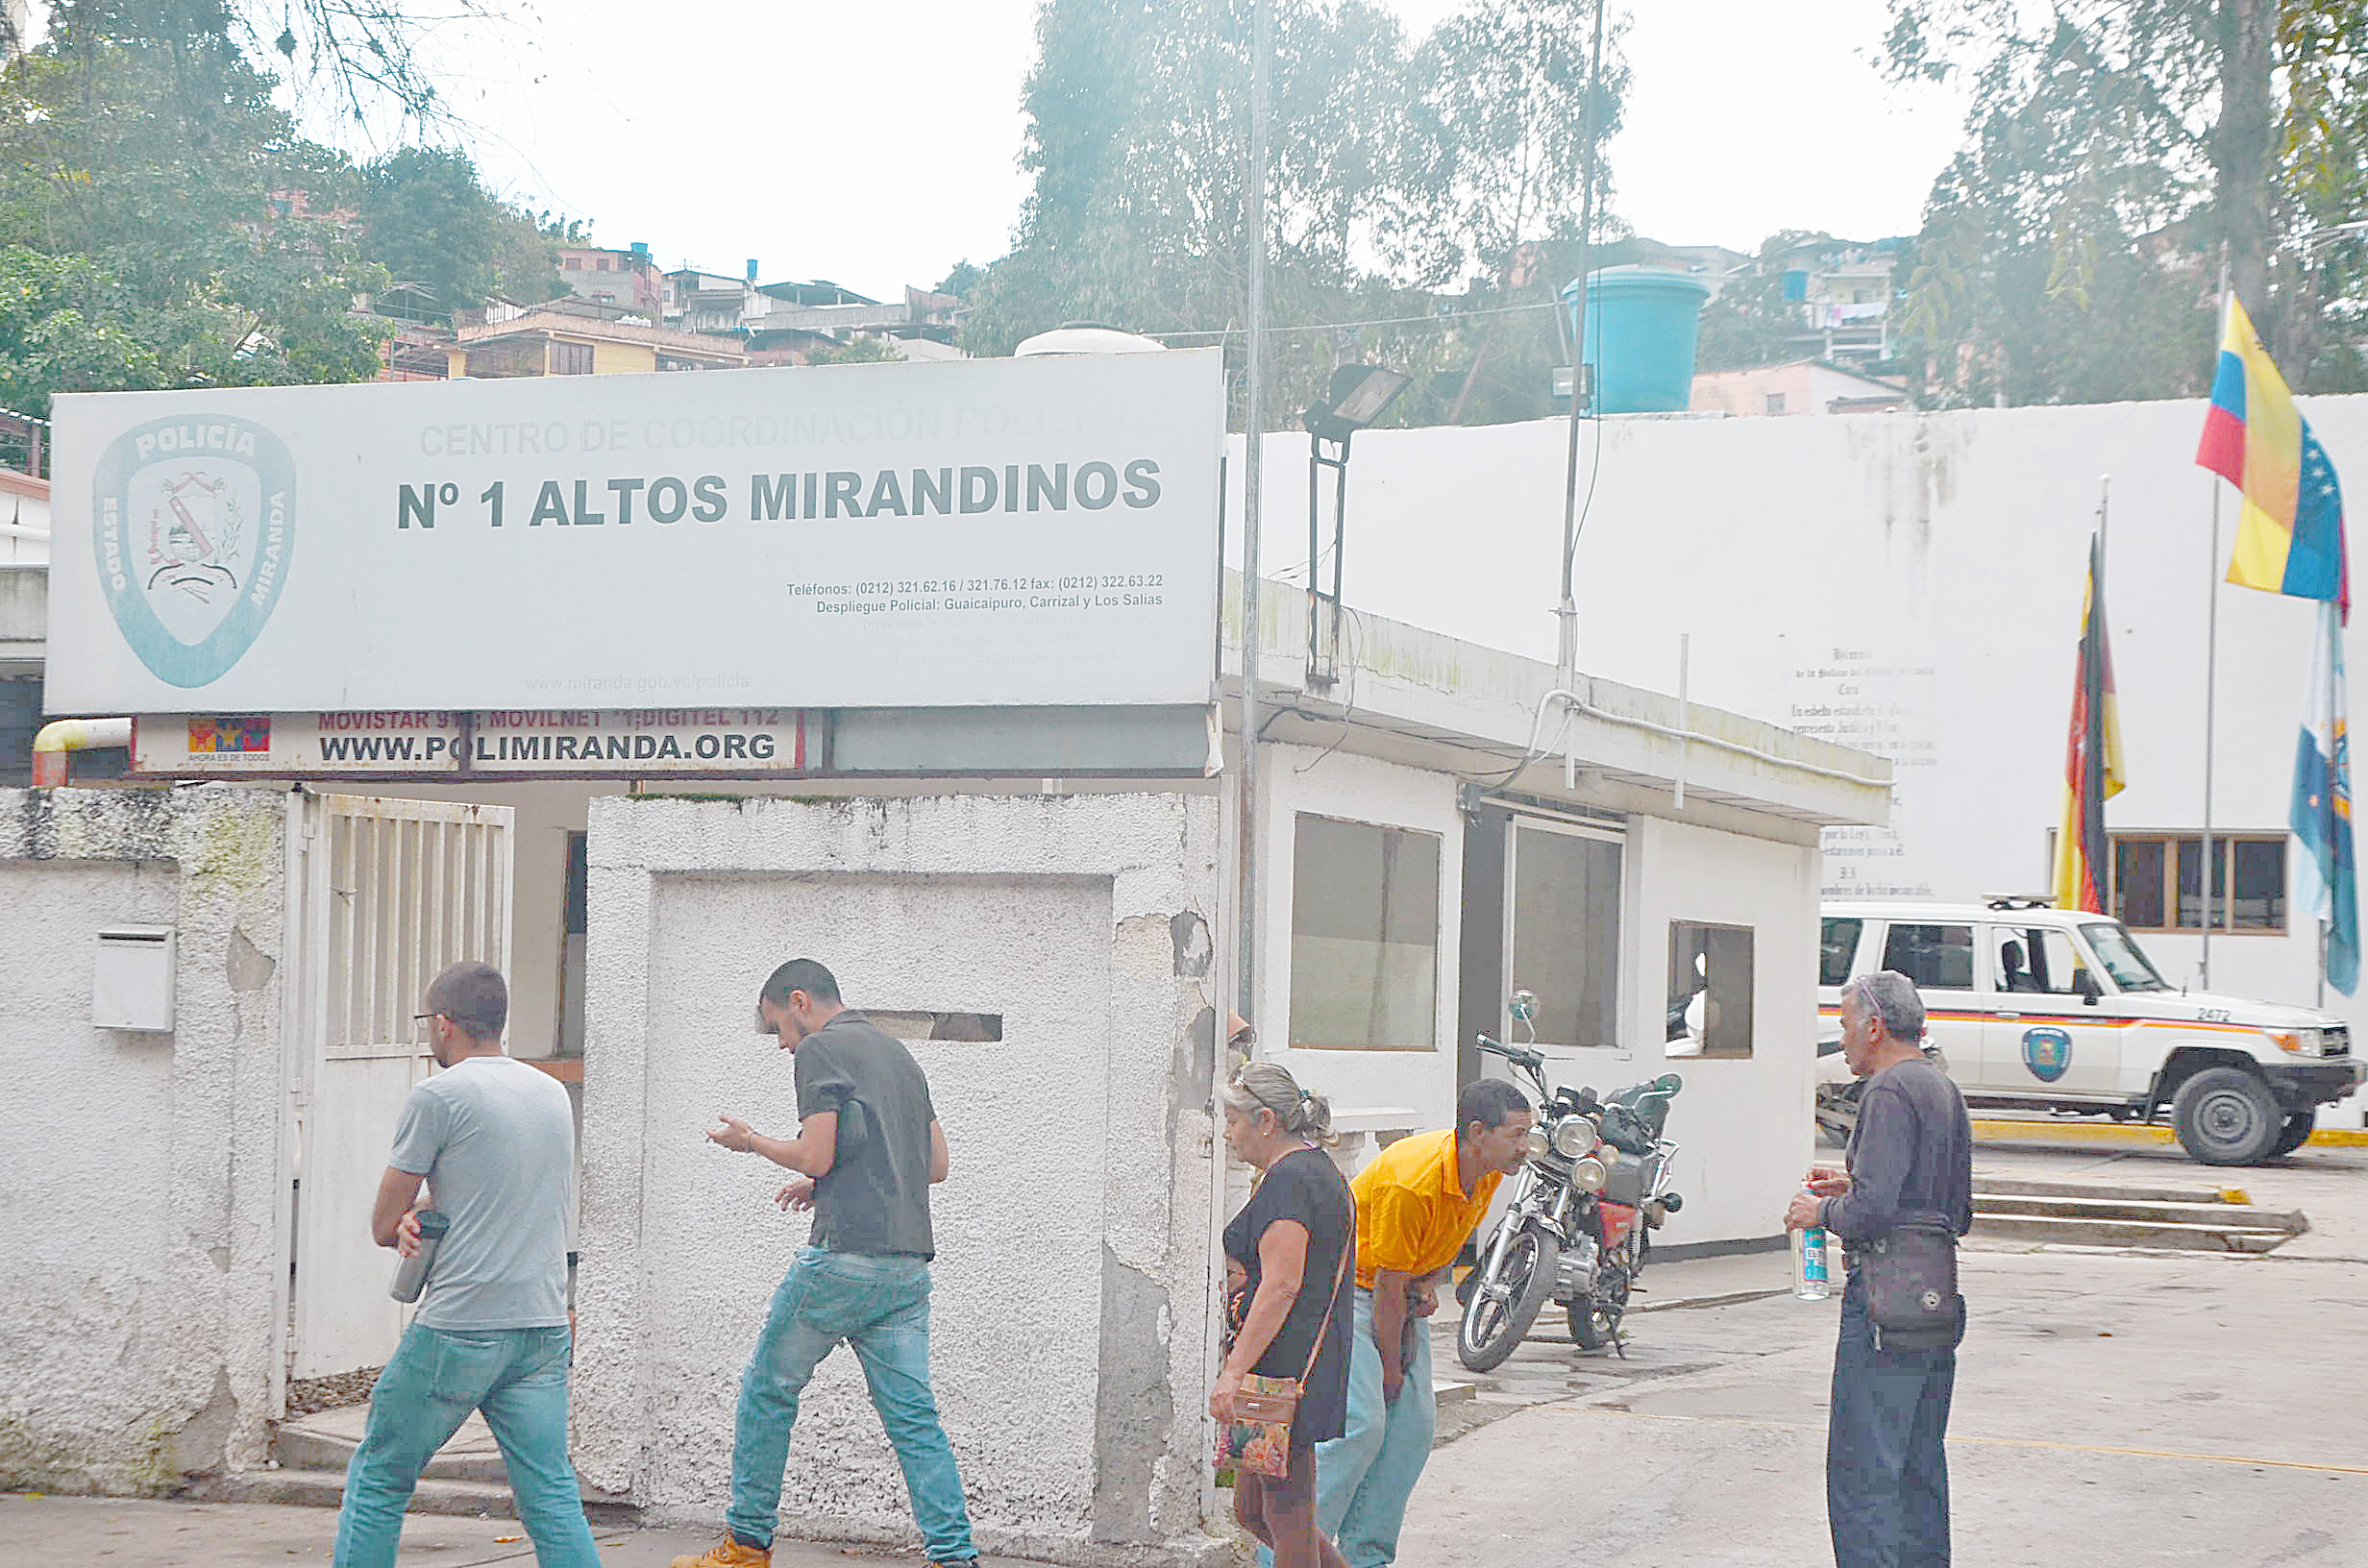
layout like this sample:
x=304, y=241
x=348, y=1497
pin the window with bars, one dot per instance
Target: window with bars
x=571, y=359
x=2159, y=881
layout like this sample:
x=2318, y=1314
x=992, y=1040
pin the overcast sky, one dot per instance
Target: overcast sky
x=876, y=145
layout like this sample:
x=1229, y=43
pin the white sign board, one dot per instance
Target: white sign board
x=627, y=743
x=969, y=532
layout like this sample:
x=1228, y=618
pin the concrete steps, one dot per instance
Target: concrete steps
x=299, y=1448
x=466, y=1479
x=2191, y=1218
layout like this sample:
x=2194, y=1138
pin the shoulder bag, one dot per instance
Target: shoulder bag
x=1258, y=1437
x=1911, y=1299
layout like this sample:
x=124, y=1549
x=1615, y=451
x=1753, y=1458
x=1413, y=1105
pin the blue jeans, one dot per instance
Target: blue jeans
x=1886, y=1467
x=518, y=1377
x=880, y=1305
x=1365, y=1476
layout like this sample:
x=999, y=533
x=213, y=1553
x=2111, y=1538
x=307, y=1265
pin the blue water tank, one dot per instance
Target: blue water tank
x=1640, y=332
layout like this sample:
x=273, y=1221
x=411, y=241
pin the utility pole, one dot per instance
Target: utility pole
x=1567, y=611
x=1254, y=467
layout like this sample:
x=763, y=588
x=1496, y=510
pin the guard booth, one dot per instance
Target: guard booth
x=639, y=686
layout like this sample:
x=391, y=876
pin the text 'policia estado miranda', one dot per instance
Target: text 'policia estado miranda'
x=809, y=495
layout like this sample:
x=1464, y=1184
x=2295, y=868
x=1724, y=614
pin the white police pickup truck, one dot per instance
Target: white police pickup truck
x=2041, y=1009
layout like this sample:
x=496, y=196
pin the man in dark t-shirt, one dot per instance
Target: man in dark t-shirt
x=1887, y=1472
x=869, y=1147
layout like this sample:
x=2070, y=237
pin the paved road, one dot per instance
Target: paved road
x=2113, y=1407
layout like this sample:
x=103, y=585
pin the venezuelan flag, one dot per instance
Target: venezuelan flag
x=2290, y=536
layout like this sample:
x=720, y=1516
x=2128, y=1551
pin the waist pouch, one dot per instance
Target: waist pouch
x=1911, y=1281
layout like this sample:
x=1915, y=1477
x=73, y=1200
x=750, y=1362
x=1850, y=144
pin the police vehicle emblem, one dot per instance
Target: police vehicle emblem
x=2047, y=1052
x=193, y=524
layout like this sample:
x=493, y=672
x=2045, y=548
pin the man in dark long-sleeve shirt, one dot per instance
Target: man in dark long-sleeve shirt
x=1910, y=1161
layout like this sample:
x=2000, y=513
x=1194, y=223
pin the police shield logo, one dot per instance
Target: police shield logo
x=2047, y=1052
x=195, y=520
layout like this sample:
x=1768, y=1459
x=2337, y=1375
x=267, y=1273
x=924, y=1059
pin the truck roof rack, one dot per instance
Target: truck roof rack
x=2018, y=900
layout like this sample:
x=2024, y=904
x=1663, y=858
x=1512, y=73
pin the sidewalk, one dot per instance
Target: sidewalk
x=107, y=1530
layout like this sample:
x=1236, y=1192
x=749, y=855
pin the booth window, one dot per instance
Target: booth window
x=1566, y=933
x=1364, y=937
x=2158, y=882
x=1710, y=990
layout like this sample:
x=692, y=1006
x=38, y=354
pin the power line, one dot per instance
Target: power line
x=1384, y=321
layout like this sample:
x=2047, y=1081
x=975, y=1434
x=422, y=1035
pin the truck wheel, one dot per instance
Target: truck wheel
x=2297, y=1132
x=2227, y=1116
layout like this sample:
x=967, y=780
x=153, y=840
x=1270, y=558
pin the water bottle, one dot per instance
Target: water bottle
x=1811, y=1281
x=413, y=1277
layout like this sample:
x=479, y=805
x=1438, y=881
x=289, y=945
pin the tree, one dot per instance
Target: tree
x=2119, y=152
x=67, y=324
x=866, y=349
x=1388, y=181
x=362, y=61
x=435, y=229
x=136, y=180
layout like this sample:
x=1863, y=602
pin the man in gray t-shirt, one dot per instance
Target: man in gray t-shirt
x=866, y=1151
x=494, y=1140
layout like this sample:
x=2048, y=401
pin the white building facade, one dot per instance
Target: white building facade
x=1910, y=585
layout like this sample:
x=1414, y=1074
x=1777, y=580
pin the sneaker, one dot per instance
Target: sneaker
x=728, y=1553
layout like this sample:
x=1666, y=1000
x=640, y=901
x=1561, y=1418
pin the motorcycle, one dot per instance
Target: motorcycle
x=1578, y=1230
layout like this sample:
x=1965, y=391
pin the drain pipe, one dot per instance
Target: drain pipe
x=59, y=739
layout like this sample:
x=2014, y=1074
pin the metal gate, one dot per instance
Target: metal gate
x=389, y=891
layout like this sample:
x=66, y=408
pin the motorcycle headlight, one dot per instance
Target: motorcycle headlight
x=1588, y=1175
x=1573, y=1136
x=1534, y=1143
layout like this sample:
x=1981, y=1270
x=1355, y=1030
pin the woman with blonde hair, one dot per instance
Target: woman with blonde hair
x=1295, y=1243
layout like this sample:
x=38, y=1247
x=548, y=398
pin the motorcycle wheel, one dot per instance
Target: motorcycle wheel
x=1499, y=1318
x=1594, y=1318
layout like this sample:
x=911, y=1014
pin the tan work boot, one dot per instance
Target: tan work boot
x=728, y=1553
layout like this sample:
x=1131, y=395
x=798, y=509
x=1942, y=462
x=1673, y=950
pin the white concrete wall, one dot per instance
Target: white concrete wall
x=1297, y=779
x=1073, y=1281
x=139, y=1173
x=1927, y=567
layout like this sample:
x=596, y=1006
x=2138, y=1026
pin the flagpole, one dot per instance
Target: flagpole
x=2212, y=668
x=2211, y=696
x=2101, y=876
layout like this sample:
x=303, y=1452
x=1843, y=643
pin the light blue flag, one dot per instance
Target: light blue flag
x=2326, y=888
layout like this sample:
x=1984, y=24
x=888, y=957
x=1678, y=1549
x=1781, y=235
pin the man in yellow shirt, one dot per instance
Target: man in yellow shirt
x=1417, y=1203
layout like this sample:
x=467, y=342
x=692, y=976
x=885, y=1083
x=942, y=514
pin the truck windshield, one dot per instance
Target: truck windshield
x=2119, y=953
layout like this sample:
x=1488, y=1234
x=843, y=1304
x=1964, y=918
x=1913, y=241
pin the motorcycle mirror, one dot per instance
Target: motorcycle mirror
x=1668, y=1082
x=1523, y=1004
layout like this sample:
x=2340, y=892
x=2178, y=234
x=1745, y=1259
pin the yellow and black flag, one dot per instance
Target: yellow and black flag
x=2092, y=762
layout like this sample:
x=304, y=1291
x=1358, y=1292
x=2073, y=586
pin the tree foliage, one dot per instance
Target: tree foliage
x=429, y=220
x=2119, y=152
x=163, y=223
x=136, y=180
x=1396, y=168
